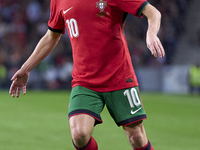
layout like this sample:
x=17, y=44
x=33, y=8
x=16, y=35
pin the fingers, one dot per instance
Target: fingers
x=12, y=90
x=14, y=77
x=161, y=49
x=18, y=91
x=157, y=49
x=153, y=50
x=24, y=90
x=15, y=91
x=19, y=79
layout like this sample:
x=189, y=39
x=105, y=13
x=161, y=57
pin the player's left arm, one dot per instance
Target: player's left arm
x=152, y=40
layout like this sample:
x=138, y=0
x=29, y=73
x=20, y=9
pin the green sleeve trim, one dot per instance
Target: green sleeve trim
x=139, y=11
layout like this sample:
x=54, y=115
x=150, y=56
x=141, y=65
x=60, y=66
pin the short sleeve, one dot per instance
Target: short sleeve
x=56, y=22
x=134, y=7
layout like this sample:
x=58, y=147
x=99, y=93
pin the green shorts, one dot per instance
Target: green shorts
x=125, y=106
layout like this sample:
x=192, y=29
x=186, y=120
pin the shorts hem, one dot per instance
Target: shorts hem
x=97, y=118
x=131, y=120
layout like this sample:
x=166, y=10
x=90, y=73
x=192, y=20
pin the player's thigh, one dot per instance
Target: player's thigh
x=125, y=106
x=86, y=101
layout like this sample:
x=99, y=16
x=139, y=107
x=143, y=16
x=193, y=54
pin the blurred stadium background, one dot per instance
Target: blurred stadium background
x=38, y=120
x=24, y=22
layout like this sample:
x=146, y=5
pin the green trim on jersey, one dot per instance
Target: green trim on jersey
x=142, y=8
x=124, y=20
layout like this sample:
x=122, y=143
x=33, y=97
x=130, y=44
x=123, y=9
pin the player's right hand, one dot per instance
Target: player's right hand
x=20, y=80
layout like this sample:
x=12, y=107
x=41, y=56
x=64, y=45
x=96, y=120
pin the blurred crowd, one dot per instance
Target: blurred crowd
x=24, y=22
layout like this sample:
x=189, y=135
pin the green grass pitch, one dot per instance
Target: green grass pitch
x=39, y=121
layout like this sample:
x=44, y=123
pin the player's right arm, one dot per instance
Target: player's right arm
x=43, y=48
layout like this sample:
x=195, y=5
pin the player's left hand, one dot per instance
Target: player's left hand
x=20, y=80
x=154, y=45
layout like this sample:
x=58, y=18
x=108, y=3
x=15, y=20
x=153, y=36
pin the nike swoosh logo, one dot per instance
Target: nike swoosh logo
x=133, y=112
x=65, y=11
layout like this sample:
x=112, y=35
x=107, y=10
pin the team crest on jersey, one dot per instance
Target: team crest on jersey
x=101, y=5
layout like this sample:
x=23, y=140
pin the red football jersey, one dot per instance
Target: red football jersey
x=101, y=59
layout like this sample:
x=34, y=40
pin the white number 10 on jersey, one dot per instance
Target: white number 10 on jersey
x=73, y=27
x=133, y=97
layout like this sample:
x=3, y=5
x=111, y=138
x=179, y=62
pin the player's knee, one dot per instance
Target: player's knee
x=136, y=139
x=136, y=134
x=79, y=135
x=81, y=127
